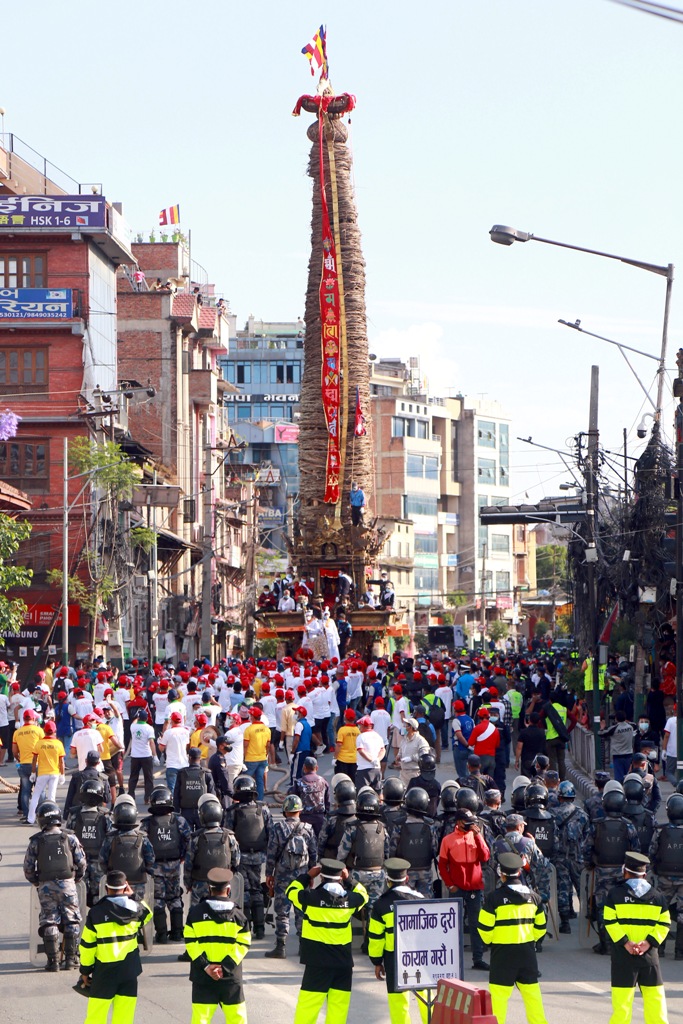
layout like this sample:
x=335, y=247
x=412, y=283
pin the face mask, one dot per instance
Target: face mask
x=494, y=719
x=643, y=726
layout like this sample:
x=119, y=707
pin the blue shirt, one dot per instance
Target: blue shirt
x=463, y=685
x=304, y=745
x=357, y=498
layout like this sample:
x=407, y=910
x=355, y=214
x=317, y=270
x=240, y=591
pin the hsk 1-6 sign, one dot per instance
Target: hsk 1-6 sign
x=428, y=942
x=75, y=212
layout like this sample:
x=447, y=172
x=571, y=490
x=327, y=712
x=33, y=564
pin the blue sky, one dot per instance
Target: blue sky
x=559, y=118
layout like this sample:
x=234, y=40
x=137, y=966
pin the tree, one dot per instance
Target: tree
x=541, y=628
x=551, y=566
x=106, y=464
x=92, y=599
x=498, y=630
x=12, y=534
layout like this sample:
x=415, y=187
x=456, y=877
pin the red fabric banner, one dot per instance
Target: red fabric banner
x=330, y=338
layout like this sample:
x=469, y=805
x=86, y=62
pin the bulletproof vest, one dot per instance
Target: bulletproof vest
x=670, y=852
x=611, y=842
x=415, y=845
x=55, y=860
x=476, y=783
x=394, y=816
x=642, y=822
x=312, y=795
x=164, y=835
x=340, y=821
x=192, y=786
x=495, y=820
x=543, y=832
x=90, y=827
x=368, y=846
x=249, y=828
x=126, y=856
x=212, y=852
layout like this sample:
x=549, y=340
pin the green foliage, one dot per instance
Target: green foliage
x=457, y=599
x=265, y=648
x=541, y=628
x=551, y=565
x=447, y=618
x=421, y=640
x=12, y=534
x=92, y=599
x=564, y=624
x=498, y=630
x=142, y=537
x=573, y=679
x=106, y=465
x=623, y=636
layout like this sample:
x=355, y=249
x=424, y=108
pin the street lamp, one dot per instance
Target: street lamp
x=505, y=235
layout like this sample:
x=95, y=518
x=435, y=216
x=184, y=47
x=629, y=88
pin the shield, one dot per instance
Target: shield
x=236, y=893
x=36, y=949
x=587, y=934
x=552, y=911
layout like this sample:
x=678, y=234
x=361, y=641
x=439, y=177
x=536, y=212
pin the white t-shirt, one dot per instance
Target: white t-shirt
x=122, y=696
x=98, y=692
x=115, y=723
x=212, y=711
x=320, y=699
x=381, y=720
x=671, y=727
x=446, y=695
x=140, y=735
x=236, y=737
x=175, y=742
x=4, y=710
x=268, y=703
x=354, y=685
x=371, y=743
x=178, y=706
x=160, y=701
x=401, y=705
x=84, y=741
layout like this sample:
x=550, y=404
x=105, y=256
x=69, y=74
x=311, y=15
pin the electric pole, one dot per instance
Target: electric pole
x=591, y=473
x=678, y=393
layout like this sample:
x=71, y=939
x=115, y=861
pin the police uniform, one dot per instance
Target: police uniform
x=313, y=791
x=610, y=839
x=54, y=862
x=91, y=826
x=217, y=932
x=251, y=823
x=331, y=833
x=363, y=848
x=192, y=783
x=666, y=854
x=511, y=922
x=635, y=912
x=536, y=866
x=381, y=938
x=132, y=853
x=110, y=955
x=415, y=842
x=326, y=942
x=170, y=837
x=573, y=828
x=209, y=847
x=292, y=849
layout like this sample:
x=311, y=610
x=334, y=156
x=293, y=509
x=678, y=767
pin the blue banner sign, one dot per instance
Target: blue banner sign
x=36, y=304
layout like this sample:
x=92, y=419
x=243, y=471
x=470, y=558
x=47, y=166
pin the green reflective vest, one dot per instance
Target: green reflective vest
x=588, y=676
x=551, y=732
x=516, y=701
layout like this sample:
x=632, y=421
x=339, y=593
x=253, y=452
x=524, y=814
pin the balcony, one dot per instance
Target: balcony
x=203, y=388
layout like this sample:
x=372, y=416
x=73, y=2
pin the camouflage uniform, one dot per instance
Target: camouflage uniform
x=200, y=890
x=59, y=910
x=592, y=805
x=419, y=879
x=147, y=851
x=537, y=875
x=93, y=872
x=251, y=864
x=572, y=828
x=605, y=877
x=671, y=888
x=374, y=882
x=553, y=801
x=168, y=892
x=284, y=869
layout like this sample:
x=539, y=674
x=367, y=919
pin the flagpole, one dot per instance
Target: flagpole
x=189, y=257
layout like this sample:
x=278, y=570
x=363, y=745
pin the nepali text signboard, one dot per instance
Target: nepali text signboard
x=428, y=941
x=76, y=213
x=36, y=303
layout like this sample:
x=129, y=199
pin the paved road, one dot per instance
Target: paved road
x=575, y=983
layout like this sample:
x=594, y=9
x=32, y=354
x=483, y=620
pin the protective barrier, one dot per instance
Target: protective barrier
x=552, y=909
x=36, y=949
x=587, y=935
x=458, y=1002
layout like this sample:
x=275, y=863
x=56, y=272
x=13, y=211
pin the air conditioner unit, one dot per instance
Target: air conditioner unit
x=139, y=582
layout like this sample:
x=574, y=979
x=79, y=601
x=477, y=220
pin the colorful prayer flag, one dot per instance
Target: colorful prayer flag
x=316, y=52
x=359, y=426
x=170, y=216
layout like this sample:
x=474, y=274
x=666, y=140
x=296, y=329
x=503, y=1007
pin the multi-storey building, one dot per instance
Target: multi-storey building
x=60, y=245
x=265, y=364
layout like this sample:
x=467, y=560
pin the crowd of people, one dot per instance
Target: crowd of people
x=370, y=834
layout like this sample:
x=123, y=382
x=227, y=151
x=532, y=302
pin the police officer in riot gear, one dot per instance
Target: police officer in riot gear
x=666, y=854
x=364, y=846
x=610, y=839
x=519, y=785
x=251, y=822
x=54, y=862
x=192, y=783
x=427, y=780
x=169, y=835
x=126, y=848
x=415, y=841
x=540, y=823
x=393, y=794
x=91, y=823
x=635, y=809
x=335, y=825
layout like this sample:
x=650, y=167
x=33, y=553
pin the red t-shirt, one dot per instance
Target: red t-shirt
x=460, y=859
x=485, y=739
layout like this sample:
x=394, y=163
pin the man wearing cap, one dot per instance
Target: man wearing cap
x=301, y=742
x=412, y=747
x=485, y=740
x=24, y=743
x=47, y=769
x=175, y=741
x=461, y=856
x=292, y=850
x=256, y=743
x=143, y=753
x=217, y=938
x=314, y=792
x=381, y=941
x=87, y=739
x=326, y=940
x=370, y=751
x=511, y=922
x=636, y=918
x=109, y=952
x=345, y=752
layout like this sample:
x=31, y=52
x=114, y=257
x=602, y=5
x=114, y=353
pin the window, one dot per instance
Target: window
x=293, y=373
x=426, y=579
x=431, y=467
x=24, y=464
x=502, y=582
x=277, y=373
x=519, y=534
x=401, y=426
x=486, y=434
x=499, y=501
x=425, y=543
x=487, y=471
x=242, y=373
x=23, y=371
x=483, y=540
x=424, y=467
x=414, y=466
x=504, y=456
x=35, y=554
x=22, y=271
x=418, y=505
x=500, y=542
x=422, y=429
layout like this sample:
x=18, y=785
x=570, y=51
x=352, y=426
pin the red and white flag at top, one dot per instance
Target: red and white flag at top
x=316, y=52
x=359, y=426
x=171, y=215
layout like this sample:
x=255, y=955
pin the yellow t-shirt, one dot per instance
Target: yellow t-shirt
x=196, y=741
x=107, y=734
x=347, y=737
x=27, y=739
x=257, y=736
x=49, y=751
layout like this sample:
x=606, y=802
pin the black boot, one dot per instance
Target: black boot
x=70, y=952
x=160, y=929
x=678, y=948
x=258, y=916
x=176, y=926
x=51, y=943
x=565, y=927
x=279, y=953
